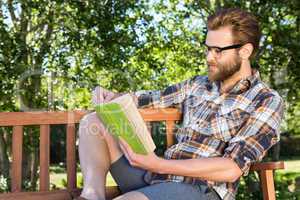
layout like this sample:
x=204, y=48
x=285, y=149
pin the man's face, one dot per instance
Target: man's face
x=221, y=64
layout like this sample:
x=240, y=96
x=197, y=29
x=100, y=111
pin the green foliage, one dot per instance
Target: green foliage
x=4, y=184
x=285, y=187
x=159, y=137
x=69, y=47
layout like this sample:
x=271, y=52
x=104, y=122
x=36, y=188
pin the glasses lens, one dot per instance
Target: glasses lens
x=215, y=51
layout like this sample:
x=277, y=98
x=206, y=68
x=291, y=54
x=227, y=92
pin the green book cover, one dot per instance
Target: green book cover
x=115, y=120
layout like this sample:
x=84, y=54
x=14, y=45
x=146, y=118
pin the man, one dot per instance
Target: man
x=230, y=119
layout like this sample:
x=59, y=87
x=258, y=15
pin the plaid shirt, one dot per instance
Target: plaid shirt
x=241, y=124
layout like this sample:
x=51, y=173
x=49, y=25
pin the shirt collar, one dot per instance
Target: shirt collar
x=241, y=86
x=246, y=83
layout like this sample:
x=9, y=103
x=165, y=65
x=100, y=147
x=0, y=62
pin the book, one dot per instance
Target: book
x=121, y=118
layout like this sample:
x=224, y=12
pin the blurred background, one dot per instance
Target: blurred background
x=53, y=53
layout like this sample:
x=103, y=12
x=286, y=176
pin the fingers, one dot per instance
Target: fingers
x=124, y=151
x=127, y=151
x=123, y=146
x=109, y=96
x=101, y=95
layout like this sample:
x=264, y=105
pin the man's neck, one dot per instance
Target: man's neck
x=243, y=73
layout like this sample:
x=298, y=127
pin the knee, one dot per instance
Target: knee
x=89, y=125
x=125, y=196
x=133, y=195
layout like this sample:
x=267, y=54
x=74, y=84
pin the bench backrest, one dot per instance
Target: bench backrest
x=18, y=120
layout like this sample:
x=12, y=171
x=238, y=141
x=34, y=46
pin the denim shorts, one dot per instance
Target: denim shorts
x=130, y=178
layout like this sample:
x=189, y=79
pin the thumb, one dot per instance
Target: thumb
x=97, y=96
x=109, y=96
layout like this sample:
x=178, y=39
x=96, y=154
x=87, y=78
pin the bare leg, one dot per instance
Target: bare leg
x=134, y=195
x=97, y=150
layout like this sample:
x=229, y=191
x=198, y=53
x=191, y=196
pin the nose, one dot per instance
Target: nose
x=210, y=57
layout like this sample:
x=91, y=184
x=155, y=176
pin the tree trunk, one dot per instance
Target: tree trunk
x=4, y=161
x=276, y=152
x=275, y=148
x=34, y=167
x=30, y=161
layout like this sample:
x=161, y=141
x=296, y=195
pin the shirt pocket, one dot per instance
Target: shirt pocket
x=197, y=113
x=197, y=108
x=228, y=122
x=194, y=101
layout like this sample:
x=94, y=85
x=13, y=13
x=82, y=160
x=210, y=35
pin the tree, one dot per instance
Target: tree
x=42, y=38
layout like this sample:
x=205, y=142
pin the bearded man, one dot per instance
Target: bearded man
x=230, y=119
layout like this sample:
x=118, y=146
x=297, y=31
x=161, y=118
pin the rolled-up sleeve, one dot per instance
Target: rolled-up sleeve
x=174, y=94
x=260, y=132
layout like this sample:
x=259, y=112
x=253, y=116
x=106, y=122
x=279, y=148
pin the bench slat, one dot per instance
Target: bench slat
x=65, y=117
x=170, y=132
x=17, y=150
x=71, y=156
x=44, y=157
x=170, y=114
x=50, y=195
x=267, y=184
x=267, y=166
x=38, y=118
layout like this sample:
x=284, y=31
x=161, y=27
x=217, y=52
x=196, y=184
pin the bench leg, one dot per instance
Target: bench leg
x=267, y=184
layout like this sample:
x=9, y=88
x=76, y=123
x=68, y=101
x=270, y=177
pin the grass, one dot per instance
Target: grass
x=58, y=180
x=291, y=166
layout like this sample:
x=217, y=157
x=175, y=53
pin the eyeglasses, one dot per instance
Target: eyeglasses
x=217, y=51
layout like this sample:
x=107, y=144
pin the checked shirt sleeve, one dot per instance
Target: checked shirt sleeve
x=172, y=95
x=258, y=134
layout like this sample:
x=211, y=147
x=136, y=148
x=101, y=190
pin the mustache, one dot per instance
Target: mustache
x=212, y=63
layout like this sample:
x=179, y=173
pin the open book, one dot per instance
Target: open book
x=122, y=118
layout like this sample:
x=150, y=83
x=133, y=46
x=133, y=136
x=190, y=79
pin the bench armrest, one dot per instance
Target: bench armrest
x=267, y=166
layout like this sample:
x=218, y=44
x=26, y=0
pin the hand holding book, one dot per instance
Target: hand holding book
x=150, y=162
x=122, y=118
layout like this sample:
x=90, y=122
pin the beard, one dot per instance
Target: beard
x=223, y=71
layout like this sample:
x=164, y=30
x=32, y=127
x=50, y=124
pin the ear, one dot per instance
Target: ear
x=246, y=51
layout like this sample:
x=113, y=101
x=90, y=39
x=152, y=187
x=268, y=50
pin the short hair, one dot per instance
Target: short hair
x=245, y=27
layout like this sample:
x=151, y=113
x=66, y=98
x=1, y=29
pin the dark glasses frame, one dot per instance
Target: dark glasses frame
x=220, y=49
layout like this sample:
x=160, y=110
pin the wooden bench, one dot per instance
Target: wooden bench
x=44, y=119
